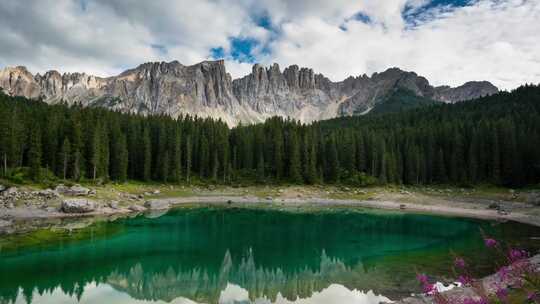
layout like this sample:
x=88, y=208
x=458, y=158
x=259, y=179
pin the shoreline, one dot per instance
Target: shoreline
x=30, y=216
x=26, y=208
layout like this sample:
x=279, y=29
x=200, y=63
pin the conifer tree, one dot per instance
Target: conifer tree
x=34, y=155
x=147, y=155
x=65, y=154
x=333, y=161
x=188, y=158
x=294, y=159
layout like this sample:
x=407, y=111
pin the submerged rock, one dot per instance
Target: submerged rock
x=78, y=206
x=157, y=204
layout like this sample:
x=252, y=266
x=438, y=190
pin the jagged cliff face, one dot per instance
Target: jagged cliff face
x=206, y=89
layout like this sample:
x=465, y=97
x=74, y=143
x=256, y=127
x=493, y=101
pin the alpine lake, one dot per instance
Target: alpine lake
x=238, y=254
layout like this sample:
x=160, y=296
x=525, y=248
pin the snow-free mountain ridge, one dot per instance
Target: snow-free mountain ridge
x=206, y=89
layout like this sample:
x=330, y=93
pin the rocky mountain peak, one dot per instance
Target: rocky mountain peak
x=206, y=89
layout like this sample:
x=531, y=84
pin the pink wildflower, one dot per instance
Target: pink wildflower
x=465, y=280
x=516, y=255
x=472, y=301
x=491, y=243
x=459, y=263
x=504, y=273
x=502, y=294
x=422, y=278
x=429, y=288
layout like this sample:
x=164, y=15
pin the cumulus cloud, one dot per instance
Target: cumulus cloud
x=495, y=40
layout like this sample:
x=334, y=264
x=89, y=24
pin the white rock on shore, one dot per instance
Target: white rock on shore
x=76, y=190
x=78, y=206
x=137, y=208
x=157, y=204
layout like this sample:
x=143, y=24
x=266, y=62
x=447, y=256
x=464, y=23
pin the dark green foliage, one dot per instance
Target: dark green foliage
x=34, y=154
x=493, y=139
x=401, y=100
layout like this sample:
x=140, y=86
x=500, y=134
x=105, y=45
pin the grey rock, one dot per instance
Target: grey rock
x=206, y=89
x=113, y=205
x=48, y=194
x=50, y=209
x=78, y=190
x=494, y=206
x=4, y=223
x=137, y=208
x=78, y=206
x=157, y=204
x=2, y=188
x=61, y=188
x=467, y=91
x=11, y=191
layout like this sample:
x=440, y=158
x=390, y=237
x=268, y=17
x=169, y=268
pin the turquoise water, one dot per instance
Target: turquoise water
x=236, y=255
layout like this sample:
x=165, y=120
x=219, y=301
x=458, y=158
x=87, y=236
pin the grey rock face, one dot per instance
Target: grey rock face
x=207, y=90
x=467, y=91
x=78, y=206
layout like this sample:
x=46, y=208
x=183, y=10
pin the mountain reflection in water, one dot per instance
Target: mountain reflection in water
x=235, y=255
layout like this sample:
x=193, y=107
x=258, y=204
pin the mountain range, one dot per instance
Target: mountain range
x=207, y=90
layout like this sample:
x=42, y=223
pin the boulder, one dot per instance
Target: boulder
x=11, y=191
x=61, y=189
x=76, y=190
x=47, y=194
x=136, y=208
x=2, y=188
x=113, y=205
x=78, y=206
x=157, y=204
x=4, y=223
x=494, y=206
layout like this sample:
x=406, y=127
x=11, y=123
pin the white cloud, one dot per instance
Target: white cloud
x=495, y=40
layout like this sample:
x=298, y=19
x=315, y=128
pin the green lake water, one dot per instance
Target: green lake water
x=246, y=255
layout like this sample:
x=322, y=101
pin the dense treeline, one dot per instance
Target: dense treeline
x=494, y=139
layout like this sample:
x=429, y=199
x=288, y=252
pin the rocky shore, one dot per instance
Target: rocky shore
x=23, y=204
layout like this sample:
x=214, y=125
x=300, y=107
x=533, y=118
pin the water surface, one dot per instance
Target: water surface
x=237, y=255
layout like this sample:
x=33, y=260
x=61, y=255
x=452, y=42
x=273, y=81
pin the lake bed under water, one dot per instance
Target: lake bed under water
x=247, y=255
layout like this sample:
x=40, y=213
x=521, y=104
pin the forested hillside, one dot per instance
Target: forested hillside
x=493, y=139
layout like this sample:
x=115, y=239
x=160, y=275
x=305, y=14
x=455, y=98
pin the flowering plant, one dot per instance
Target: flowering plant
x=517, y=281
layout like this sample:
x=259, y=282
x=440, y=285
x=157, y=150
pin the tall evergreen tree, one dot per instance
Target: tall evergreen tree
x=147, y=155
x=64, y=157
x=34, y=154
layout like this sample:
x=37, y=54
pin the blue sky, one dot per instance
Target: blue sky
x=243, y=49
x=447, y=41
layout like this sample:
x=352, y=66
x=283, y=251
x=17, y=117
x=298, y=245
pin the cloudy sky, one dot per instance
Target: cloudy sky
x=448, y=41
